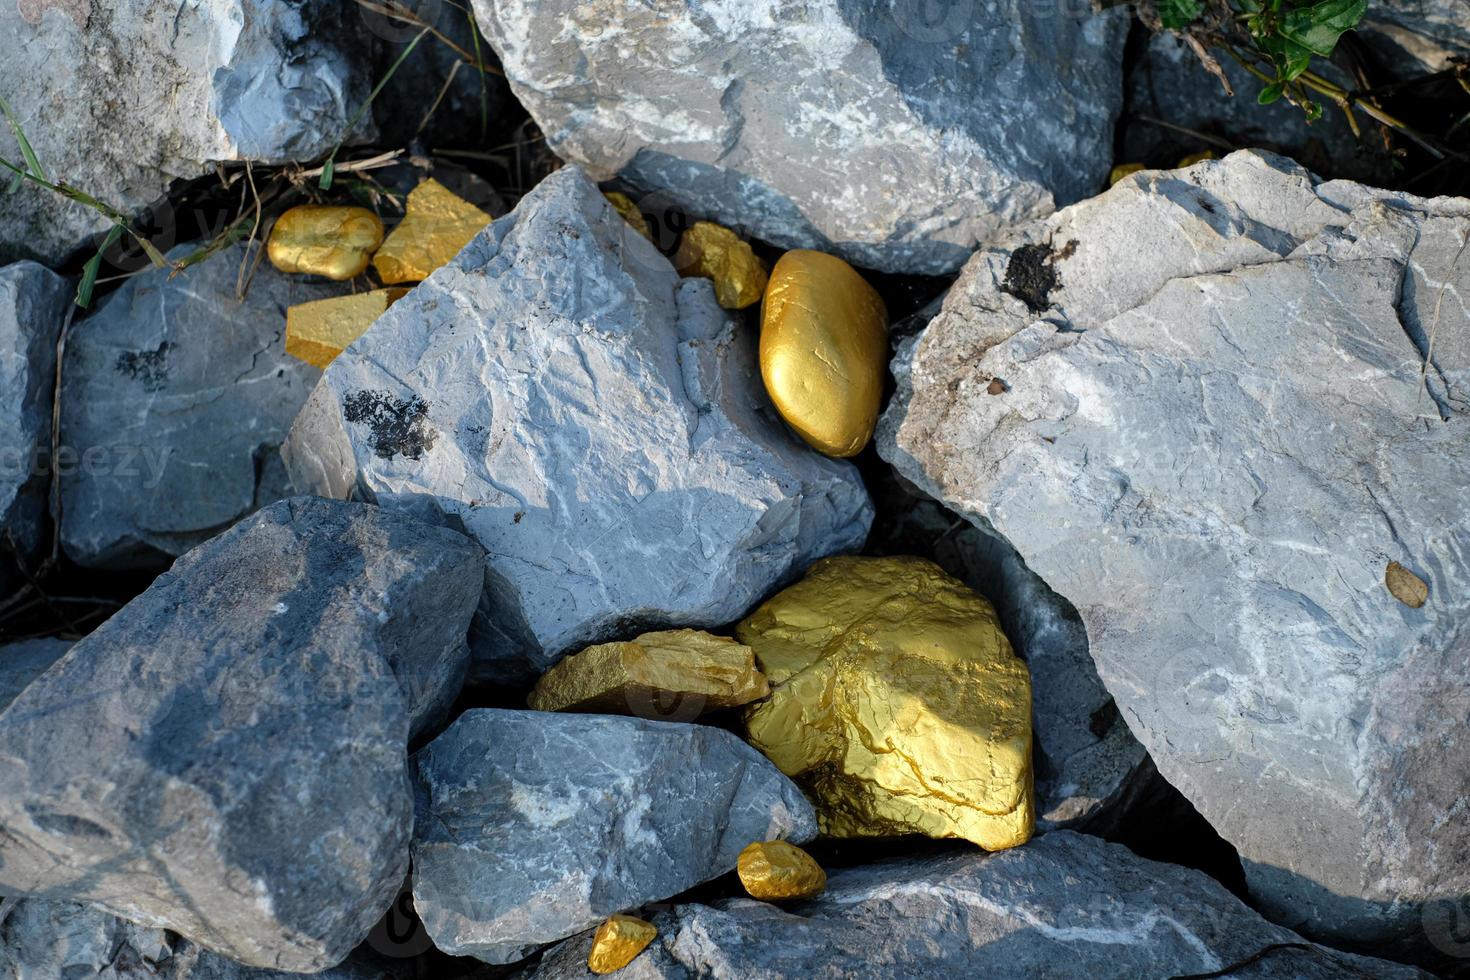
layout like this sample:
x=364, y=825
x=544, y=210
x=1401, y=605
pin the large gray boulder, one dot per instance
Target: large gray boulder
x=227, y=756
x=33, y=303
x=1195, y=406
x=897, y=135
x=1417, y=36
x=599, y=426
x=118, y=99
x=1061, y=907
x=175, y=398
x=21, y=663
x=534, y=825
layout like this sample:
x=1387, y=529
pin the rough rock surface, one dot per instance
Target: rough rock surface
x=227, y=756
x=175, y=399
x=33, y=303
x=532, y=826
x=896, y=135
x=1087, y=764
x=118, y=99
x=1417, y=36
x=21, y=663
x=1210, y=435
x=599, y=426
x=1063, y=906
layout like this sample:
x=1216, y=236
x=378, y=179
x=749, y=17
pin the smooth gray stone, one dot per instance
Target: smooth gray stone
x=1061, y=907
x=119, y=99
x=21, y=663
x=532, y=825
x=33, y=302
x=1415, y=37
x=897, y=135
x=597, y=425
x=175, y=398
x=226, y=757
x=1213, y=438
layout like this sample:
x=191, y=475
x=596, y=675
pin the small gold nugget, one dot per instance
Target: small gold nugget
x=618, y=941
x=715, y=252
x=436, y=225
x=774, y=870
x=318, y=331
x=334, y=242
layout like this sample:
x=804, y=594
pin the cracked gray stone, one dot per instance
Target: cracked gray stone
x=897, y=135
x=119, y=99
x=21, y=663
x=1415, y=37
x=33, y=302
x=227, y=756
x=1213, y=438
x=175, y=398
x=599, y=426
x=1063, y=906
x=535, y=825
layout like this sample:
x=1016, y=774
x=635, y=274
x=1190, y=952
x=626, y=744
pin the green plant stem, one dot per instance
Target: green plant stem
x=87, y=200
x=329, y=167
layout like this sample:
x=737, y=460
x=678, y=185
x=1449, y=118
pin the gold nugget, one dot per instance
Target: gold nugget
x=436, y=225
x=618, y=941
x=896, y=703
x=623, y=205
x=659, y=672
x=715, y=252
x=774, y=870
x=318, y=331
x=824, y=348
x=334, y=242
x=1123, y=170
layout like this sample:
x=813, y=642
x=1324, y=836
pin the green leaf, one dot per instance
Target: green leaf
x=1177, y=14
x=93, y=266
x=1270, y=93
x=328, y=169
x=1318, y=26
x=28, y=154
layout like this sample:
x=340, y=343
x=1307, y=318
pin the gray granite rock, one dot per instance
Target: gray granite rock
x=23, y=662
x=532, y=826
x=897, y=135
x=1061, y=907
x=599, y=426
x=226, y=757
x=1211, y=436
x=175, y=397
x=118, y=99
x=33, y=303
x=1417, y=36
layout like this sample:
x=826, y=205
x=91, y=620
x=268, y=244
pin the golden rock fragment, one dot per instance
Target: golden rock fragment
x=1123, y=170
x=1405, y=586
x=774, y=870
x=618, y=941
x=436, y=225
x=823, y=350
x=896, y=703
x=1199, y=157
x=318, y=331
x=685, y=670
x=334, y=242
x=623, y=204
x=715, y=252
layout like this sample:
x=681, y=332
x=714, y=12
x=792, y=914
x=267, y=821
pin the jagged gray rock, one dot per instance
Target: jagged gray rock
x=226, y=757
x=1210, y=434
x=1417, y=36
x=1064, y=905
x=23, y=662
x=33, y=303
x=532, y=825
x=118, y=99
x=175, y=398
x=599, y=426
x=897, y=135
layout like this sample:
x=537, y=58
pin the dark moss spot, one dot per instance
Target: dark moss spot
x=1030, y=276
x=397, y=427
x=148, y=366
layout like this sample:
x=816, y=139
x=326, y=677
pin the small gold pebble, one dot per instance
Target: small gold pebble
x=437, y=223
x=1199, y=157
x=623, y=205
x=335, y=242
x=715, y=252
x=1405, y=586
x=618, y=941
x=318, y=331
x=773, y=870
x=1123, y=170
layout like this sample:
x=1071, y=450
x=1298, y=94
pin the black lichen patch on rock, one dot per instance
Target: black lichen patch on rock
x=399, y=427
x=148, y=366
x=1030, y=276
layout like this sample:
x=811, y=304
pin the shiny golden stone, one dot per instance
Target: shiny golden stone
x=715, y=252
x=623, y=204
x=683, y=671
x=436, y=225
x=773, y=870
x=896, y=703
x=318, y=331
x=1123, y=170
x=824, y=348
x=1199, y=157
x=618, y=941
x=334, y=242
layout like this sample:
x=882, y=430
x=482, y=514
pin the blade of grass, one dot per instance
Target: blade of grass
x=94, y=265
x=27, y=154
x=329, y=167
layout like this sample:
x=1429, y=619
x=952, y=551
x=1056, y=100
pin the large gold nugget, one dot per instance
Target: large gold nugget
x=334, y=242
x=715, y=252
x=318, y=331
x=774, y=870
x=436, y=225
x=824, y=346
x=618, y=941
x=673, y=670
x=896, y=703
